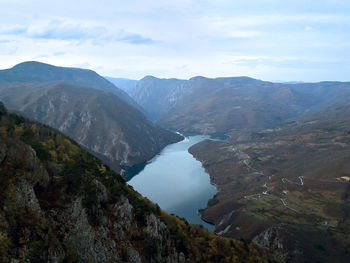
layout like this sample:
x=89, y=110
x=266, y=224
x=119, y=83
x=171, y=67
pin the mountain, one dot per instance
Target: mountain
x=125, y=84
x=60, y=204
x=37, y=72
x=219, y=105
x=99, y=120
x=287, y=187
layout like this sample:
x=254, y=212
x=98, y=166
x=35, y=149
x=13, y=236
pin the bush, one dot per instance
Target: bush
x=41, y=153
x=3, y=110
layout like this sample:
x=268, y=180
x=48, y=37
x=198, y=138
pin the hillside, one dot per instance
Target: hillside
x=219, y=105
x=286, y=187
x=61, y=204
x=100, y=121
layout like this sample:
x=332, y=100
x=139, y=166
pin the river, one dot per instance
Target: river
x=176, y=181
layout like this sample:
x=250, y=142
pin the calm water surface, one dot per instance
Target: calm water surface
x=177, y=181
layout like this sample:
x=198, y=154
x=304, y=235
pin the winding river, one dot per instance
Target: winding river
x=176, y=181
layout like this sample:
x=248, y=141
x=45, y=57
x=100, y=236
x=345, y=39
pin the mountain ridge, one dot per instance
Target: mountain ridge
x=38, y=72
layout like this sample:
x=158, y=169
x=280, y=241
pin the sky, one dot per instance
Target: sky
x=276, y=40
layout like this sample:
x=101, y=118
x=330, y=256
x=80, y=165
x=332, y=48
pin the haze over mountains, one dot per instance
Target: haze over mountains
x=207, y=105
x=86, y=107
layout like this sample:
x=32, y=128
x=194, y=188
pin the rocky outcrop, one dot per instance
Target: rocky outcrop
x=63, y=227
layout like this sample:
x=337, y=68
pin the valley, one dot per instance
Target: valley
x=282, y=178
x=278, y=179
x=58, y=203
x=175, y=131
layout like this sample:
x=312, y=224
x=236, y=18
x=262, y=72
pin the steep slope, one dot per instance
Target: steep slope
x=60, y=204
x=37, y=72
x=286, y=187
x=100, y=121
x=219, y=105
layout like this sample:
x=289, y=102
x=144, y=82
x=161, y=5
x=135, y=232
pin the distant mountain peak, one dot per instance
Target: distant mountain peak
x=149, y=77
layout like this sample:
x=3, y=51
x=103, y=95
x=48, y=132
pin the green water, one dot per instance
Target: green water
x=177, y=182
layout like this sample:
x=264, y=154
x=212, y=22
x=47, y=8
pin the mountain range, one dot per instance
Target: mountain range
x=219, y=105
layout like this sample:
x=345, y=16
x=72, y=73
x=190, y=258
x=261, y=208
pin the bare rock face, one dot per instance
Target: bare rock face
x=273, y=237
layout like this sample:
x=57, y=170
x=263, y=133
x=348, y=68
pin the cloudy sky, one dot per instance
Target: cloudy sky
x=283, y=40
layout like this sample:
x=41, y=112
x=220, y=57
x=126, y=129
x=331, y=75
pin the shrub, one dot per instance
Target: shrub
x=41, y=153
x=3, y=110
